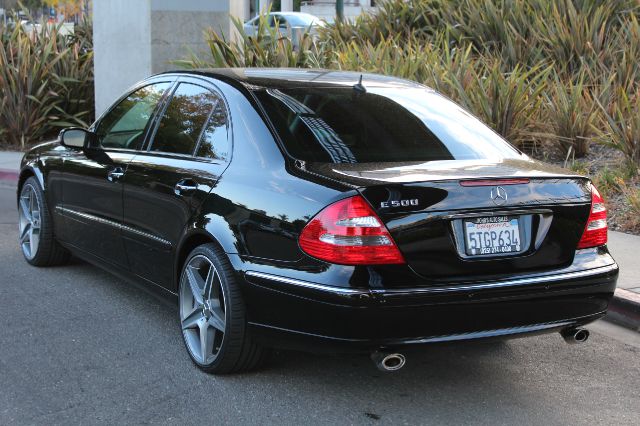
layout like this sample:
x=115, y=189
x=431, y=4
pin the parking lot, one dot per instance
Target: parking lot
x=78, y=345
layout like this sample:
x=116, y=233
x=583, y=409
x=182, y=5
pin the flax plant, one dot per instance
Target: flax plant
x=622, y=124
x=27, y=64
x=46, y=82
x=508, y=102
x=267, y=48
x=570, y=110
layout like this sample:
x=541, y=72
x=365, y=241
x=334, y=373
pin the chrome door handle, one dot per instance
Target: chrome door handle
x=115, y=174
x=185, y=186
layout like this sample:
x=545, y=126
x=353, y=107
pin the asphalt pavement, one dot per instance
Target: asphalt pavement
x=79, y=346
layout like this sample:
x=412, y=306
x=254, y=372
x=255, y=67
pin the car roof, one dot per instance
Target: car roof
x=305, y=14
x=286, y=78
x=294, y=14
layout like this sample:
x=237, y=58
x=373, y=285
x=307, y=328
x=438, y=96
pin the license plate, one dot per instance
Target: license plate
x=492, y=235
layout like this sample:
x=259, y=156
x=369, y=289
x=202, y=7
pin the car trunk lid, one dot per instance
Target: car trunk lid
x=432, y=208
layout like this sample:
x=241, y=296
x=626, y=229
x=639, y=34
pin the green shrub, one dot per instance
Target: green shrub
x=570, y=109
x=631, y=194
x=633, y=201
x=508, y=102
x=579, y=167
x=76, y=84
x=622, y=124
x=26, y=72
x=267, y=49
x=46, y=82
x=574, y=34
x=611, y=181
x=608, y=181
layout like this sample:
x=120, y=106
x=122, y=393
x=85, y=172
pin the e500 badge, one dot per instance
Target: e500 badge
x=399, y=203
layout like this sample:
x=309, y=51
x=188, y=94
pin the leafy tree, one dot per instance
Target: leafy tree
x=66, y=7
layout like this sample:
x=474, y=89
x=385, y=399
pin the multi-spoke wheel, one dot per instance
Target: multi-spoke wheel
x=212, y=314
x=202, y=314
x=35, y=229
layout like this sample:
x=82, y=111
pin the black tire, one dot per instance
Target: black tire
x=237, y=352
x=48, y=251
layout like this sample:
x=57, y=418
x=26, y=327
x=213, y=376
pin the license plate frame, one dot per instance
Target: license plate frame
x=493, y=236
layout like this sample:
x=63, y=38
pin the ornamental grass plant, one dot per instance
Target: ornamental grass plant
x=46, y=82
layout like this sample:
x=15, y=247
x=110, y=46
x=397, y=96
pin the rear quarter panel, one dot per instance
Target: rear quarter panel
x=261, y=202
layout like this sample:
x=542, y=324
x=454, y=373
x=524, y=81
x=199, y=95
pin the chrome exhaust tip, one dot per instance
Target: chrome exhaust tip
x=387, y=361
x=573, y=336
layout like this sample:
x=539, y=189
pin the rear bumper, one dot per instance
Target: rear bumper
x=304, y=315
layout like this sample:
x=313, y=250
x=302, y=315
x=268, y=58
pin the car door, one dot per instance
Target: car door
x=92, y=178
x=165, y=185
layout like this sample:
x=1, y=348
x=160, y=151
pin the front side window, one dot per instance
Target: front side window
x=184, y=119
x=125, y=124
x=342, y=125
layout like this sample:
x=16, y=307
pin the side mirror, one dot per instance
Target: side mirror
x=75, y=137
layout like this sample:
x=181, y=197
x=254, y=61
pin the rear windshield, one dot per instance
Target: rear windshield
x=342, y=125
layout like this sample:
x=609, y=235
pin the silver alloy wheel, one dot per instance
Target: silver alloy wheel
x=202, y=309
x=29, y=221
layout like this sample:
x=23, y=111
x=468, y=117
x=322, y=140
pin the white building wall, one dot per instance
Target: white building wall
x=177, y=26
x=121, y=41
x=134, y=39
x=286, y=5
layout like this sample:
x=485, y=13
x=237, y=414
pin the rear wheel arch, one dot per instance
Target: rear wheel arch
x=189, y=242
x=203, y=308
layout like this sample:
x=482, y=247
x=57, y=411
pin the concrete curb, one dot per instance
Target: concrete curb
x=624, y=309
x=9, y=175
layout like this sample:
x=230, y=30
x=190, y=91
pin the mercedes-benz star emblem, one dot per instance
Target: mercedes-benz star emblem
x=498, y=196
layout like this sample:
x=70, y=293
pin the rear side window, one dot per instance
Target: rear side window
x=341, y=125
x=184, y=119
x=215, y=143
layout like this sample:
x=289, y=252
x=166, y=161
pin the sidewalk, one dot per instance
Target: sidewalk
x=9, y=165
x=625, y=250
x=624, y=308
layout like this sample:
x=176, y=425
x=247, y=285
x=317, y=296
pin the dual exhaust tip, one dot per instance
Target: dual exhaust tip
x=573, y=336
x=388, y=361
x=393, y=361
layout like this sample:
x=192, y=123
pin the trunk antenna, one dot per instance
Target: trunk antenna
x=358, y=87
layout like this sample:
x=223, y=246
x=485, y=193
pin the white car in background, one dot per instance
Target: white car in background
x=289, y=24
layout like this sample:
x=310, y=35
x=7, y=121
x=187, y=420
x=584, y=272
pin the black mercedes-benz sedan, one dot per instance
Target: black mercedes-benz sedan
x=319, y=210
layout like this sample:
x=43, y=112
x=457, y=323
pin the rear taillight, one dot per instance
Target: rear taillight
x=349, y=232
x=595, y=233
